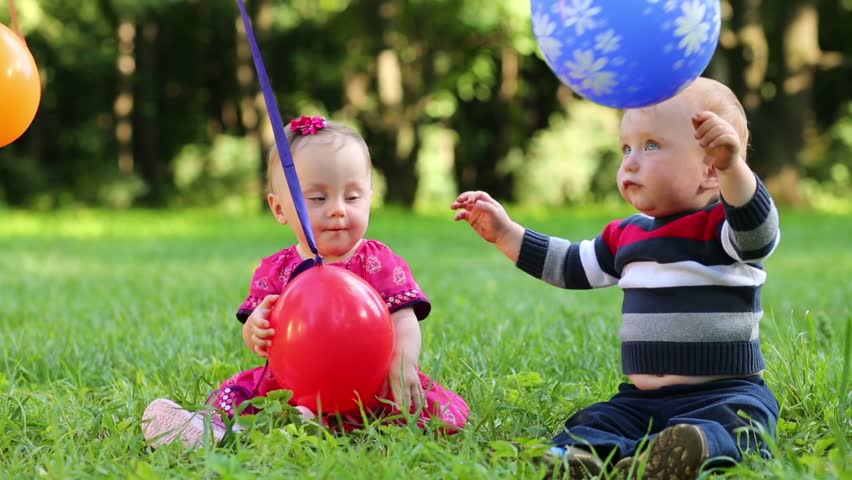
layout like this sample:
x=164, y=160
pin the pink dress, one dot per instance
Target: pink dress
x=390, y=275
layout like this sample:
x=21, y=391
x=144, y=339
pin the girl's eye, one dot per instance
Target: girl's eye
x=352, y=198
x=316, y=199
x=625, y=150
x=652, y=145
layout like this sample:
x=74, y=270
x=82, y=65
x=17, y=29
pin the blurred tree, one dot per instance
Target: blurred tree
x=773, y=56
x=507, y=94
x=155, y=102
x=75, y=51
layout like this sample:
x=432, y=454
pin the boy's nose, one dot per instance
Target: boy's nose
x=630, y=163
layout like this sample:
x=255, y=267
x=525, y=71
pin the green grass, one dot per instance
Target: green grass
x=102, y=312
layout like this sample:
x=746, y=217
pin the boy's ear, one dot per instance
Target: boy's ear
x=711, y=177
x=277, y=208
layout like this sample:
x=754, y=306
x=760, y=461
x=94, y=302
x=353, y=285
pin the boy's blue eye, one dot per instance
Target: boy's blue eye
x=652, y=145
x=625, y=150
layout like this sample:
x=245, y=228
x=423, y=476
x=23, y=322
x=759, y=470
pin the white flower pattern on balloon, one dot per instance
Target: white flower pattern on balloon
x=600, y=82
x=591, y=49
x=692, y=27
x=543, y=27
x=586, y=70
x=579, y=14
x=607, y=42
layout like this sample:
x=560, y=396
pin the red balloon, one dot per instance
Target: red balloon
x=20, y=86
x=333, y=341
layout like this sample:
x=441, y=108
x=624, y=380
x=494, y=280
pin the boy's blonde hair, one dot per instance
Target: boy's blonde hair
x=332, y=133
x=716, y=97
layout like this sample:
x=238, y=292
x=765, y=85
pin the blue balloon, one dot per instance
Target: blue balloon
x=627, y=53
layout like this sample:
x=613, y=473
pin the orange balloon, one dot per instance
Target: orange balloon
x=20, y=86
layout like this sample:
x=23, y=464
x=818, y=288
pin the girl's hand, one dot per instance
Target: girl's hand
x=718, y=139
x=405, y=385
x=256, y=331
x=403, y=379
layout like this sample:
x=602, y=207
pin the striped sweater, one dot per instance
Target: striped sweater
x=691, y=283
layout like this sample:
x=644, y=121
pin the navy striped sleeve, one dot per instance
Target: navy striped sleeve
x=573, y=273
x=754, y=213
x=533, y=253
x=606, y=257
x=753, y=228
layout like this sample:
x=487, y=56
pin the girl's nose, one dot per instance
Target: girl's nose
x=336, y=208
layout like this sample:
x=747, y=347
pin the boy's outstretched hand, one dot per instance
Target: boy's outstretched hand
x=490, y=221
x=483, y=213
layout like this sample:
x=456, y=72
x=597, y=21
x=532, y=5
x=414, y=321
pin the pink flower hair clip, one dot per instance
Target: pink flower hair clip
x=308, y=125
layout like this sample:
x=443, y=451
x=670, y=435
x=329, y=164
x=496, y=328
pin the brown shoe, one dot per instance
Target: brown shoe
x=576, y=463
x=677, y=453
x=624, y=468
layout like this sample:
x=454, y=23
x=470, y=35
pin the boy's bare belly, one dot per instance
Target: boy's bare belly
x=653, y=382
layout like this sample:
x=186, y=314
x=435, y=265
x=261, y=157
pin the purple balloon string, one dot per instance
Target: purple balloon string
x=280, y=137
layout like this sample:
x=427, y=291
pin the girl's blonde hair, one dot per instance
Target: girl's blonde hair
x=334, y=134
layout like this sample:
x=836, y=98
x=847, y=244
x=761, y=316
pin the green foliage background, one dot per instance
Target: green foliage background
x=154, y=102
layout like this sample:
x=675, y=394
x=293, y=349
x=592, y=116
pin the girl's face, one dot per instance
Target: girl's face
x=335, y=177
x=663, y=171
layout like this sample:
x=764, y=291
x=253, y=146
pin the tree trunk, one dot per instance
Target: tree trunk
x=747, y=53
x=249, y=113
x=394, y=133
x=782, y=122
x=151, y=166
x=771, y=54
x=396, y=149
x=123, y=105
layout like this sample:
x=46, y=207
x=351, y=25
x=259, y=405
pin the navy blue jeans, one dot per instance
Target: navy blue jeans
x=617, y=427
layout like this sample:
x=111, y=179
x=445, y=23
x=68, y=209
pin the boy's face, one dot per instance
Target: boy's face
x=336, y=183
x=662, y=170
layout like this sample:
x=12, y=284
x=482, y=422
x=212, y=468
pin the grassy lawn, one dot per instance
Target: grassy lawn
x=102, y=312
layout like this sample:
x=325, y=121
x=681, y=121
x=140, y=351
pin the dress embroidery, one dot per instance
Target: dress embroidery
x=285, y=274
x=373, y=264
x=398, y=275
x=402, y=297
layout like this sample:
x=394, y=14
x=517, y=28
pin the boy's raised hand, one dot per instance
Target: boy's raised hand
x=718, y=139
x=723, y=148
x=256, y=331
x=490, y=221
